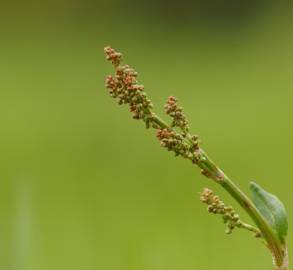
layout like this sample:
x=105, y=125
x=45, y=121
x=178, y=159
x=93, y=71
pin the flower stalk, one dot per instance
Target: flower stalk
x=176, y=137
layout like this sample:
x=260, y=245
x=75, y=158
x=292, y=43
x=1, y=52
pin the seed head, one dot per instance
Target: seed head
x=216, y=206
x=125, y=87
x=113, y=56
x=175, y=112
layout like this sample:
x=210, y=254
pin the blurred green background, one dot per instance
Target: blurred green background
x=83, y=186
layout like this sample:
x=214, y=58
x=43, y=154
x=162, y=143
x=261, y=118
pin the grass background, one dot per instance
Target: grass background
x=83, y=186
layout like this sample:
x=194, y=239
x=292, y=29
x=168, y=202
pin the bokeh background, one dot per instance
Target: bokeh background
x=83, y=186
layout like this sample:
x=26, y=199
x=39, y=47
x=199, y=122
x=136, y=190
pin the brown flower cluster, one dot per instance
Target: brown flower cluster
x=125, y=87
x=176, y=142
x=216, y=206
x=174, y=111
x=113, y=56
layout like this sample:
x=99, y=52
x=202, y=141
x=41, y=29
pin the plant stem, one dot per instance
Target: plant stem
x=125, y=87
x=273, y=242
x=278, y=250
x=250, y=228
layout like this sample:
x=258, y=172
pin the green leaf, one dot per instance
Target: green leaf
x=272, y=209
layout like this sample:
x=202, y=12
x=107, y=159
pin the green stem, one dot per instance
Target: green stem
x=250, y=228
x=273, y=243
x=267, y=233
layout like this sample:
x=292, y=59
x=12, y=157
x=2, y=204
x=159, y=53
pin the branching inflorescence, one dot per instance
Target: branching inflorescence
x=267, y=212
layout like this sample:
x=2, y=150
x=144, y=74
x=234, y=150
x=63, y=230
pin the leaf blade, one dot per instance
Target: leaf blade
x=272, y=209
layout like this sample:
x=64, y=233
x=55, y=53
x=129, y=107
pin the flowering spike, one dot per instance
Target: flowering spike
x=230, y=217
x=113, y=56
x=175, y=112
x=125, y=87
